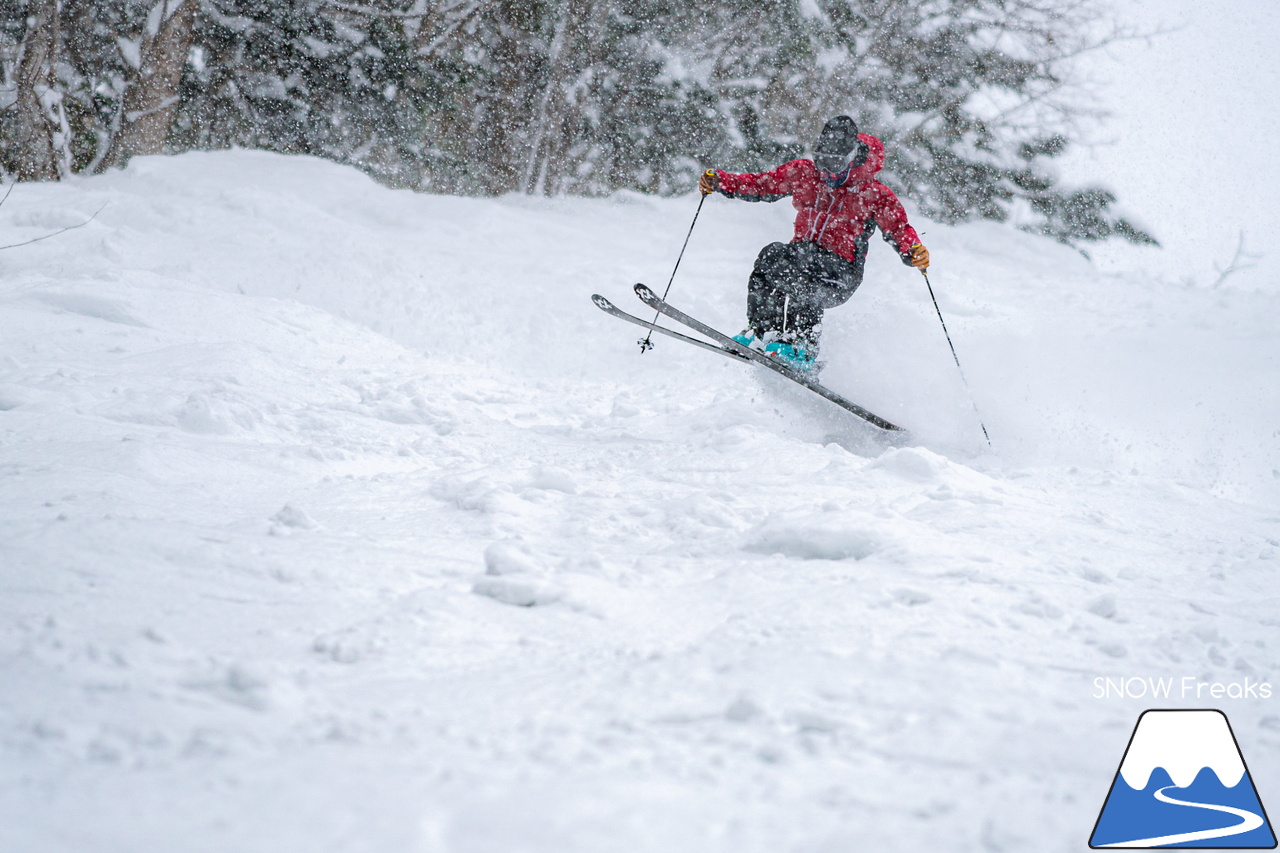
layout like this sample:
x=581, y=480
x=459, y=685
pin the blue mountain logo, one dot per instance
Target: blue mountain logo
x=1183, y=783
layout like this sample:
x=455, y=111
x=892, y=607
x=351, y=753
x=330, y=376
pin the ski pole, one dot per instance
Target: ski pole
x=956, y=357
x=647, y=344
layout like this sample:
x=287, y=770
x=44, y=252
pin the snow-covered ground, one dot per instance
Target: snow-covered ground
x=334, y=518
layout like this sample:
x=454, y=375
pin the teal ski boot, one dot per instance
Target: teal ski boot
x=796, y=357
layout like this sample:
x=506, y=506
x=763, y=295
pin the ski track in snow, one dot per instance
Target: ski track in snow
x=338, y=518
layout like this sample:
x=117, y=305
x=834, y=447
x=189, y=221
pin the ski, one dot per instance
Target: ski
x=728, y=344
x=609, y=308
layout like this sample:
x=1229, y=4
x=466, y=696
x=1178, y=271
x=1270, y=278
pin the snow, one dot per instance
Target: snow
x=338, y=518
x=1184, y=146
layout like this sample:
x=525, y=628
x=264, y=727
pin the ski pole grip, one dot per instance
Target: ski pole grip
x=702, y=184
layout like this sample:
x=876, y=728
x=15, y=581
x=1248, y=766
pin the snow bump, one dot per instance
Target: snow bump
x=913, y=463
x=97, y=307
x=291, y=518
x=817, y=536
x=508, y=557
x=513, y=575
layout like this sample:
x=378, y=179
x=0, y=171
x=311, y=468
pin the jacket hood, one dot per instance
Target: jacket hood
x=873, y=164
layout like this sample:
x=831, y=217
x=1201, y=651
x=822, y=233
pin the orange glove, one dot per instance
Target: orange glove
x=919, y=257
x=709, y=181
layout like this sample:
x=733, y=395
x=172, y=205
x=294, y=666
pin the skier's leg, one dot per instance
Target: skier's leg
x=803, y=328
x=770, y=288
x=825, y=280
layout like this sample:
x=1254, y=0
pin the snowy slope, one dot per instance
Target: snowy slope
x=337, y=518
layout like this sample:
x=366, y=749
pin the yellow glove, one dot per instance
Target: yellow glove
x=709, y=181
x=919, y=257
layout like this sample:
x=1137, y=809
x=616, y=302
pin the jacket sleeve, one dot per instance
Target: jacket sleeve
x=892, y=219
x=763, y=186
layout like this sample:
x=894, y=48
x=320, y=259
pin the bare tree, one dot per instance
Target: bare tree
x=1241, y=260
x=149, y=101
x=38, y=133
x=569, y=61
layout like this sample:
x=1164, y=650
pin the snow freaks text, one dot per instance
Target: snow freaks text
x=1186, y=687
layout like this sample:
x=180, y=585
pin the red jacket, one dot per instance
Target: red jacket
x=841, y=219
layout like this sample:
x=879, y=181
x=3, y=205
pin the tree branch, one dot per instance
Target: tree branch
x=1237, y=262
x=369, y=12
x=55, y=233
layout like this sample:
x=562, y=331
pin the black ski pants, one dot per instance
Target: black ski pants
x=792, y=285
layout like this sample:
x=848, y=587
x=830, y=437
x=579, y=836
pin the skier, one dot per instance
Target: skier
x=838, y=205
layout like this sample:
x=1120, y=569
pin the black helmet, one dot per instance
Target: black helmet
x=838, y=147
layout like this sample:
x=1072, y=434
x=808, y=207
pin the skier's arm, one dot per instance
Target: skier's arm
x=892, y=219
x=762, y=186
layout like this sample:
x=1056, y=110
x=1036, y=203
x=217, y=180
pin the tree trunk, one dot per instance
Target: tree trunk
x=571, y=53
x=504, y=109
x=34, y=154
x=149, y=101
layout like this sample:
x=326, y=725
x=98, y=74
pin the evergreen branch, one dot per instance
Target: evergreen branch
x=451, y=28
x=1035, y=98
x=369, y=12
x=937, y=111
x=876, y=37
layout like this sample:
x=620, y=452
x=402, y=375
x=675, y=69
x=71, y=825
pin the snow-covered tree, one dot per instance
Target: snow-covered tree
x=970, y=96
x=151, y=96
x=973, y=98
x=307, y=77
x=35, y=127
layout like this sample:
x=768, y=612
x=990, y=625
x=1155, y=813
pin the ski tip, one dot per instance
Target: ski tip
x=601, y=302
x=645, y=293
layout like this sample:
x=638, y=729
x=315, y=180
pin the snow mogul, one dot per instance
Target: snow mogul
x=838, y=204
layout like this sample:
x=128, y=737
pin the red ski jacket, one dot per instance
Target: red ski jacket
x=841, y=219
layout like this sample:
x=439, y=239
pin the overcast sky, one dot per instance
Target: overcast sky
x=1193, y=144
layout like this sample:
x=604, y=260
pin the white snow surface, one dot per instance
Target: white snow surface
x=335, y=518
x=1183, y=743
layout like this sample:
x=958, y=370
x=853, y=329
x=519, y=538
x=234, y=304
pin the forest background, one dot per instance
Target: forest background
x=976, y=100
